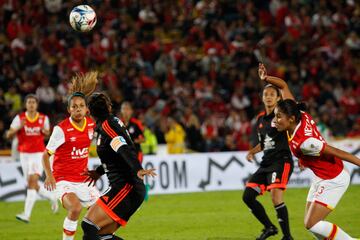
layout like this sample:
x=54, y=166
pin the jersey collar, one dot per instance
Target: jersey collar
x=291, y=137
x=32, y=119
x=76, y=127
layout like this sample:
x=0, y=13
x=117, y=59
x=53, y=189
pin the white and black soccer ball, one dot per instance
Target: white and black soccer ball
x=82, y=18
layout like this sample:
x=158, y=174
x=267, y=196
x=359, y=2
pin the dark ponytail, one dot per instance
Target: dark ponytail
x=291, y=108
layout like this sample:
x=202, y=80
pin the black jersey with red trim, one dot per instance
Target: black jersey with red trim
x=273, y=143
x=136, y=130
x=117, y=152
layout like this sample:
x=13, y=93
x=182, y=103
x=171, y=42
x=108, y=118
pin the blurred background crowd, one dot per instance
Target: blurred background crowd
x=188, y=67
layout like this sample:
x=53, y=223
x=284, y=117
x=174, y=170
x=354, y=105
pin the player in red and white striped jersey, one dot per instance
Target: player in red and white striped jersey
x=69, y=144
x=30, y=127
x=331, y=180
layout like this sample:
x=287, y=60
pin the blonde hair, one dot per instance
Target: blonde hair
x=84, y=83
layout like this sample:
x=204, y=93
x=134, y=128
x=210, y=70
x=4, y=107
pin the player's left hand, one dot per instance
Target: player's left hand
x=146, y=172
x=92, y=176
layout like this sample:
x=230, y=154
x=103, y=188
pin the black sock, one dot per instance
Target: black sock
x=283, y=218
x=90, y=230
x=256, y=208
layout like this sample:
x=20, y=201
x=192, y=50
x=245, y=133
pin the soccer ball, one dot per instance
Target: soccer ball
x=82, y=18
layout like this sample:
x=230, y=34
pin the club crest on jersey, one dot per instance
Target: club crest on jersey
x=91, y=133
x=40, y=121
x=72, y=139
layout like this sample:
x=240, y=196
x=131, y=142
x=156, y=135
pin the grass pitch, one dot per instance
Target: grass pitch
x=195, y=216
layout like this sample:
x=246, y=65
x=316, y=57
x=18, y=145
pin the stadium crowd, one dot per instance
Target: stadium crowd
x=189, y=63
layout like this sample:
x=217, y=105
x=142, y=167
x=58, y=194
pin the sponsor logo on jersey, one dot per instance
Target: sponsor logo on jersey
x=79, y=153
x=32, y=131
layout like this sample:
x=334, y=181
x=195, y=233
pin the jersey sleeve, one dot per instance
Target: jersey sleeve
x=15, y=124
x=312, y=147
x=57, y=138
x=46, y=123
x=120, y=140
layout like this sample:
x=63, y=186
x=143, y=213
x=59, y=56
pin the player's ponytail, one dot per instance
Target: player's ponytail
x=83, y=84
x=291, y=108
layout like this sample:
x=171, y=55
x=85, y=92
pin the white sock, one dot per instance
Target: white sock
x=45, y=193
x=29, y=201
x=329, y=231
x=69, y=229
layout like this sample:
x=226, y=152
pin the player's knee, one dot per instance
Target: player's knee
x=309, y=224
x=249, y=196
x=90, y=230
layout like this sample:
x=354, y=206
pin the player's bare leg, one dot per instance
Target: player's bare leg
x=314, y=222
x=282, y=212
x=72, y=204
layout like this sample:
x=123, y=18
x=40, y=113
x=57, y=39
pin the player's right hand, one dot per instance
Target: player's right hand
x=92, y=176
x=50, y=183
x=250, y=157
x=262, y=71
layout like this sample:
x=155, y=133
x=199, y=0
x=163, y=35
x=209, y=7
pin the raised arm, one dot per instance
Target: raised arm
x=278, y=82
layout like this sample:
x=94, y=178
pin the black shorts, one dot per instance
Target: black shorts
x=120, y=202
x=276, y=175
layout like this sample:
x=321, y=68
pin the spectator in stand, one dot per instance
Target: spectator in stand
x=13, y=99
x=46, y=95
x=175, y=136
x=207, y=39
x=150, y=145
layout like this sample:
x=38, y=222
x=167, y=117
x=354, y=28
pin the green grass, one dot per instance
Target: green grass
x=196, y=216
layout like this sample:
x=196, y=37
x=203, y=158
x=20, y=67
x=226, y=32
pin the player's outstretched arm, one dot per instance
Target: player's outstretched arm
x=342, y=155
x=278, y=82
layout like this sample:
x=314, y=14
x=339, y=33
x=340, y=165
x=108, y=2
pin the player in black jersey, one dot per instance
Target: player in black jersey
x=119, y=161
x=134, y=127
x=276, y=165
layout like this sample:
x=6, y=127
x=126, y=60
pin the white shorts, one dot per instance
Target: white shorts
x=86, y=194
x=31, y=163
x=329, y=192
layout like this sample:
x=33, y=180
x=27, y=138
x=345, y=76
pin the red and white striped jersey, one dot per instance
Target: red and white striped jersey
x=308, y=145
x=30, y=137
x=70, y=145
